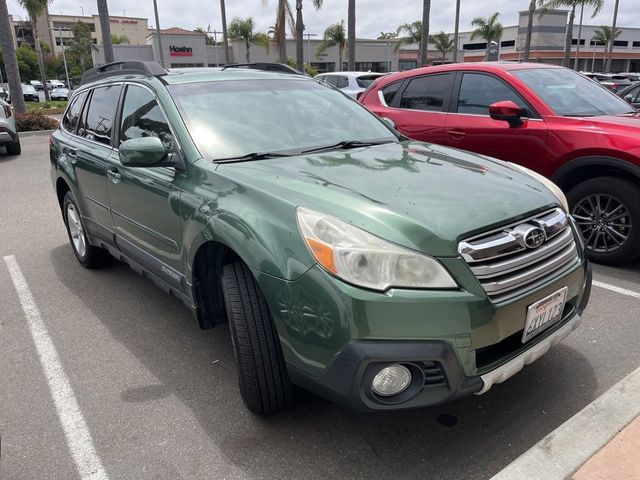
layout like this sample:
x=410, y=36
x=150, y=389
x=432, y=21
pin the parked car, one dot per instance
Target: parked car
x=51, y=84
x=8, y=129
x=59, y=93
x=351, y=83
x=375, y=270
x=631, y=94
x=29, y=93
x=4, y=94
x=612, y=81
x=549, y=119
x=632, y=76
x=37, y=84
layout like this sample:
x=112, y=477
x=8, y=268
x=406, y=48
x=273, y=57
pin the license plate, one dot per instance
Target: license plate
x=544, y=313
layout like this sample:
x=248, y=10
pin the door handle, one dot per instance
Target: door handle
x=457, y=134
x=114, y=175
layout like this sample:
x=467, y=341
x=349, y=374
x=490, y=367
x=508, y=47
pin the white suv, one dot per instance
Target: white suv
x=351, y=83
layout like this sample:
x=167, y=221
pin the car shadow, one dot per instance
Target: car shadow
x=471, y=438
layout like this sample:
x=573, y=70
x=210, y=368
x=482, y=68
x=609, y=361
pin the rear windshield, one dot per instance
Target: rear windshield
x=365, y=82
x=571, y=94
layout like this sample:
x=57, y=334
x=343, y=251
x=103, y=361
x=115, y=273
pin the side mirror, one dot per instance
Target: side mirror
x=142, y=152
x=389, y=122
x=507, y=111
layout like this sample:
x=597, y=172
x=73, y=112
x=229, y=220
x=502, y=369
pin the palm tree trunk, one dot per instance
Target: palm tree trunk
x=10, y=60
x=457, y=32
x=568, y=38
x=43, y=77
x=247, y=51
x=527, y=41
x=351, y=34
x=299, y=37
x=340, y=53
x=159, y=37
x=613, y=36
x=103, y=15
x=575, y=63
x=282, y=32
x=424, y=44
x=225, y=42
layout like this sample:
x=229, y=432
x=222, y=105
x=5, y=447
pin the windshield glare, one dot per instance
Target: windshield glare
x=570, y=94
x=234, y=118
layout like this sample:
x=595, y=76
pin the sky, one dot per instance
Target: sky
x=373, y=16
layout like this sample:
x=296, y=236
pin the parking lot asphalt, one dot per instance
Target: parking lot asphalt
x=160, y=399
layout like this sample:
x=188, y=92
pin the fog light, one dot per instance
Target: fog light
x=391, y=381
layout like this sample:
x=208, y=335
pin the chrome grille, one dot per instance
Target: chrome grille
x=514, y=259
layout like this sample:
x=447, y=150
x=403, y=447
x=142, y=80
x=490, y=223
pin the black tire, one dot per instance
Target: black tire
x=620, y=190
x=14, y=148
x=264, y=382
x=92, y=257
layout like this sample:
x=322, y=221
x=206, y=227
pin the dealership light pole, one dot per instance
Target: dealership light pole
x=155, y=10
x=309, y=35
x=64, y=57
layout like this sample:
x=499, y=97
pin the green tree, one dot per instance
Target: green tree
x=79, y=49
x=388, y=36
x=207, y=38
x=34, y=9
x=527, y=36
x=409, y=34
x=120, y=39
x=424, y=47
x=488, y=28
x=317, y=4
x=613, y=27
x=284, y=15
x=242, y=29
x=606, y=34
x=334, y=35
x=27, y=62
x=443, y=44
x=9, y=59
x=596, y=6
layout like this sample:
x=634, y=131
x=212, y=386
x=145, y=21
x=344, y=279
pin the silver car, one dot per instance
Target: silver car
x=351, y=83
x=59, y=93
x=8, y=130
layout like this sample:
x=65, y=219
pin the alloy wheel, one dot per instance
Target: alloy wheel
x=76, y=231
x=605, y=222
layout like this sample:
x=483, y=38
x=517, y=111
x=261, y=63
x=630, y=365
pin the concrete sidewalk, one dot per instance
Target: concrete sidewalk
x=619, y=459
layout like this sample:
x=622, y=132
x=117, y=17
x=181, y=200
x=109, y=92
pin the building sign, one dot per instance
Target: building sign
x=180, y=51
x=122, y=20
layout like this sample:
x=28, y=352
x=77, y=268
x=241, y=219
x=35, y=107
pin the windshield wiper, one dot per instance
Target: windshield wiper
x=347, y=144
x=252, y=156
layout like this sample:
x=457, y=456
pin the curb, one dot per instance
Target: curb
x=36, y=133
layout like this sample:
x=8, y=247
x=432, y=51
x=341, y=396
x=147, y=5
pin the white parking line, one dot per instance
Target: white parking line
x=569, y=446
x=75, y=428
x=613, y=288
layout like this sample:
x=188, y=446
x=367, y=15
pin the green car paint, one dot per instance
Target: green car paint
x=427, y=198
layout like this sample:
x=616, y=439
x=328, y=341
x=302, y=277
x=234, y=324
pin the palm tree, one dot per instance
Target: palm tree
x=456, y=32
x=488, y=28
x=105, y=27
x=527, y=41
x=225, y=40
x=411, y=34
x=283, y=16
x=34, y=9
x=613, y=27
x=10, y=60
x=351, y=30
x=443, y=44
x=300, y=32
x=572, y=4
x=424, y=46
x=242, y=29
x=334, y=35
x=122, y=39
x=605, y=35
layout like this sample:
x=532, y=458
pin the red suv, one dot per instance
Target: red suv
x=549, y=119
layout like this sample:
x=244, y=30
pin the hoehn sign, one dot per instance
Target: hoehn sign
x=180, y=51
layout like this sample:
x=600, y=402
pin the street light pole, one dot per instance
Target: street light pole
x=64, y=58
x=309, y=35
x=155, y=10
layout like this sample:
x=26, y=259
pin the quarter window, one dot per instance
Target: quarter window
x=71, y=117
x=389, y=92
x=426, y=93
x=478, y=91
x=142, y=117
x=99, y=117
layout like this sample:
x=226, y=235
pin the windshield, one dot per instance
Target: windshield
x=570, y=94
x=229, y=119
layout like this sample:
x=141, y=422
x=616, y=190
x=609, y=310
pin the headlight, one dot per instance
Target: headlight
x=366, y=260
x=547, y=183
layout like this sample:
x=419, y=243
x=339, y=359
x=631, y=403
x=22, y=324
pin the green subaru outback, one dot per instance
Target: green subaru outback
x=376, y=271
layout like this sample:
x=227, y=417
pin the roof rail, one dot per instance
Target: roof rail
x=122, y=68
x=266, y=66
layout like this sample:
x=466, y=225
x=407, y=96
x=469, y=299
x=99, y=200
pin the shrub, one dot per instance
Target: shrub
x=33, y=121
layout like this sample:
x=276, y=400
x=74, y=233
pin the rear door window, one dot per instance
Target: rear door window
x=342, y=82
x=72, y=115
x=98, y=121
x=427, y=93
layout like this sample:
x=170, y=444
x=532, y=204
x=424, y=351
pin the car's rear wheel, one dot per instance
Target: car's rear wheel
x=88, y=255
x=264, y=383
x=607, y=211
x=14, y=148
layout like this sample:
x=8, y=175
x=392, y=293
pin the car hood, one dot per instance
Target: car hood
x=423, y=196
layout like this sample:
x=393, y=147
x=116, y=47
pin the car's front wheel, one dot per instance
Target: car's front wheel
x=88, y=255
x=607, y=211
x=264, y=382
